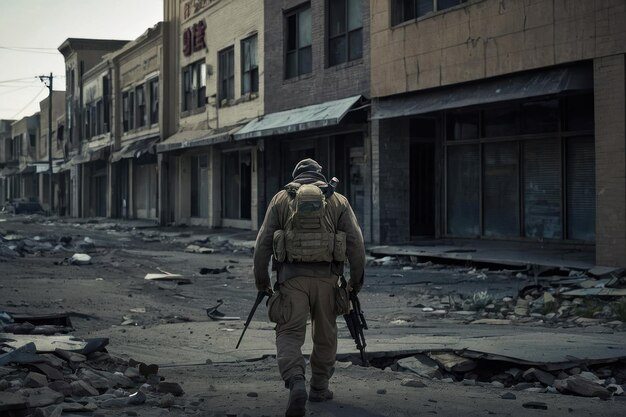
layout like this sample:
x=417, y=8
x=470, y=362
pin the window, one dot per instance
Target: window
x=131, y=110
x=125, y=112
x=142, y=116
x=345, y=31
x=106, y=127
x=404, y=10
x=32, y=140
x=298, y=42
x=194, y=86
x=154, y=101
x=249, y=66
x=227, y=74
x=99, y=128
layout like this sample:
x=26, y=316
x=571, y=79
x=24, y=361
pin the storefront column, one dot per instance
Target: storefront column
x=610, y=129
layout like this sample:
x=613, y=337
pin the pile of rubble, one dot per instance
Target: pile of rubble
x=46, y=382
x=558, y=301
x=601, y=380
x=13, y=245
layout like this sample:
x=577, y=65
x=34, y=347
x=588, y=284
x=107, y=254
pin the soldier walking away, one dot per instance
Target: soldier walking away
x=310, y=231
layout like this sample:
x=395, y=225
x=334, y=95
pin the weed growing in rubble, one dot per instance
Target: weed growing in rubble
x=481, y=299
x=619, y=309
x=589, y=309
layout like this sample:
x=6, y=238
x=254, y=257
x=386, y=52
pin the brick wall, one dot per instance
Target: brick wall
x=390, y=181
x=323, y=83
x=610, y=112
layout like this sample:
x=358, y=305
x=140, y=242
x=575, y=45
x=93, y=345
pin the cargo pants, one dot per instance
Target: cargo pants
x=299, y=298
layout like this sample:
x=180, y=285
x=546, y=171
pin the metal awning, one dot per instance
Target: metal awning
x=7, y=172
x=510, y=87
x=316, y=116
x=194, y=138
x=93, y=150
x=135, y=149
x=42, y=167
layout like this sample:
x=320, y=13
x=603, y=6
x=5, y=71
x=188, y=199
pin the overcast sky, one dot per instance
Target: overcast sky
x=32, y=30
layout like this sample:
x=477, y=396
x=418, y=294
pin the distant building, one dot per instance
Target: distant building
x=24, y=132
x=81, y=55
x=57, y=142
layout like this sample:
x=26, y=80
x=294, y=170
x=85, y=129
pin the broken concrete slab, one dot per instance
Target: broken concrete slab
x=83, y=389
x=41, y=397
x=579, y=385
x=453, y=363
x=421, y=365
x=51, y=343
x=35, y=380
x=23, y=353
x=610, y=292
x=11, y=401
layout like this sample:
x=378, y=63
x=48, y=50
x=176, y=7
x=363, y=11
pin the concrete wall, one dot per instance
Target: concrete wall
x=610, y=111
x=323, y=83
x=486, y=38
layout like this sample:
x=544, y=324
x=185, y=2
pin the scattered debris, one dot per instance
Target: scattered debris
x=206, y=271
x=198, y=249
x=216, y=315
x=167, y=276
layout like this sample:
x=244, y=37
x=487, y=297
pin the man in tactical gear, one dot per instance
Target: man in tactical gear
x=310, y=231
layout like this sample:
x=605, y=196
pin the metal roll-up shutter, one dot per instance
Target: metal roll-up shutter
x=542, y=189
x=581, y=190
x=463, y=190
x=501, y=189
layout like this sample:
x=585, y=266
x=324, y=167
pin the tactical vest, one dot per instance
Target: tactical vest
x=310, y=234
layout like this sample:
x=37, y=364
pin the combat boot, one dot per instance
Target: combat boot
x=296, y=407
x=320, y=395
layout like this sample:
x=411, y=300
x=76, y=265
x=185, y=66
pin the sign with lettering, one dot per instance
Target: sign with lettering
x=193, y=38
x=193, y=7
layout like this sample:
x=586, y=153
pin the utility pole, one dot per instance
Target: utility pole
x=49, y=78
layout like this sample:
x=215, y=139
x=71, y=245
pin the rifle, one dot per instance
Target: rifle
x=259, y=298
x=355, y=320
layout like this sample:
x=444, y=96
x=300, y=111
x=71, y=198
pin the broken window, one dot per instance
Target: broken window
x=345, y=31
x=227, y=75
x=249, y=66
x=194, y=86
x=298, y=59
x=405, y=10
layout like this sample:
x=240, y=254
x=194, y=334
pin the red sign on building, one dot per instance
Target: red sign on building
x=193, y=38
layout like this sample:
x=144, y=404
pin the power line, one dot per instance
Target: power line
x=30, y=102
x=34, y=77
x=30, y=51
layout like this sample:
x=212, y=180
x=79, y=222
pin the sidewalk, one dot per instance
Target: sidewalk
x=503, y=254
